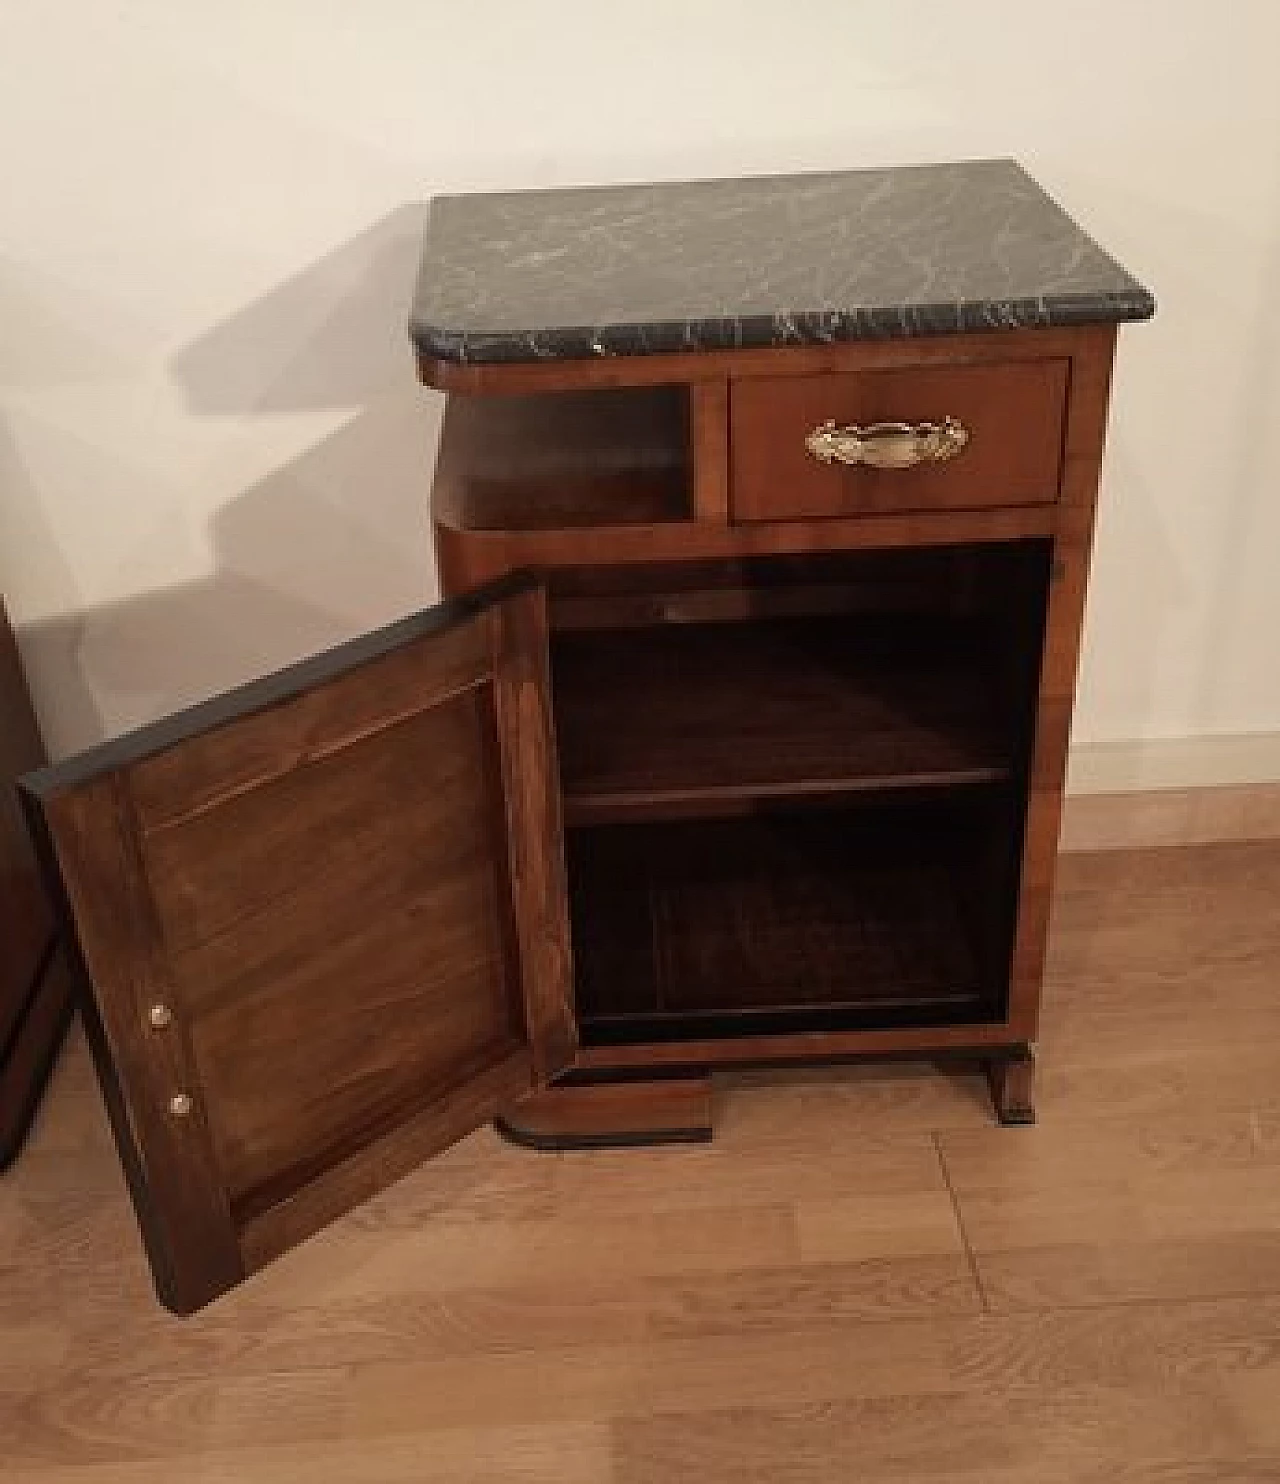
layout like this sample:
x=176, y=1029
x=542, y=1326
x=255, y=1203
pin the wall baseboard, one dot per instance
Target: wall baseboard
x=1172, y=791
x=1134, y=766
x=1171, y=816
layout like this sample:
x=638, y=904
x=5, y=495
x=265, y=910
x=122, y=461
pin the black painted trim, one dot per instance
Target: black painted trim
x=546, y=1143
x=770, y=331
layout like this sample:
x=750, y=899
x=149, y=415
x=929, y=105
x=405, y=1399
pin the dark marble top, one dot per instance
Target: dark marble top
x=767, y=260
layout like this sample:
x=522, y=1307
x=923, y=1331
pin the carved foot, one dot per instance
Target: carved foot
x=1012, y=1077
x=602, y=1115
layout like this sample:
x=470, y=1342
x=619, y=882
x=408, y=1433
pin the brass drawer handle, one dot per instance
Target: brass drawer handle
x=888, y=445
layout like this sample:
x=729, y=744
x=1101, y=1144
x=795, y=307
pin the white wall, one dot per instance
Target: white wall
x=213, y=453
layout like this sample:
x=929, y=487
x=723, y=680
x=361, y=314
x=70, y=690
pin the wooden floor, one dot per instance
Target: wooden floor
x=861, y=1279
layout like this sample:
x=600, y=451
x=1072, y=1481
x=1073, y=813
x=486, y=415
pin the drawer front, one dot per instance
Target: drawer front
x=1006, y=449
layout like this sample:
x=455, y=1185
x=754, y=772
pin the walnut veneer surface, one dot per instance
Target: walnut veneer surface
x=861, y=1278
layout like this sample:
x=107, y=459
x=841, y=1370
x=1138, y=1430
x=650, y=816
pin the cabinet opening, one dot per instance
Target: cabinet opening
x=826, y=918
x=559, y=460
x=724, y=685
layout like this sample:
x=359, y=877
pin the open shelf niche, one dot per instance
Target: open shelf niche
x=564, y=460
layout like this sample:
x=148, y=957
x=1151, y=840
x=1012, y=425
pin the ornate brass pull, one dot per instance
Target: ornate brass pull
x=888, y=445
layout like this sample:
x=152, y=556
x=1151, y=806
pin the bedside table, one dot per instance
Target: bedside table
x=764, y=510
x=807, y=467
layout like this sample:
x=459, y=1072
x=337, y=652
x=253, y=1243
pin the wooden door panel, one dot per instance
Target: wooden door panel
x=323, y=928
x=213, y=764
x=291, y=827
x=431, y=885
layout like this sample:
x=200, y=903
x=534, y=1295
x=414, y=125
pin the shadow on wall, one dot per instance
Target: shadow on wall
x=331, y=544
x=1135, y=569
x=1247, y=563
x=300, y=565
x=1141, y=585
x=27, y=534
x=1176, y=621
x=334, y=336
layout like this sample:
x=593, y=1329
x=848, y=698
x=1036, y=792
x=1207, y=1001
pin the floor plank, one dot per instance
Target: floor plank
x=796, y=1301
x=1155, y=1176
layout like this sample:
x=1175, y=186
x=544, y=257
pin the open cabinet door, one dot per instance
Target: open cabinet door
x=322, y=928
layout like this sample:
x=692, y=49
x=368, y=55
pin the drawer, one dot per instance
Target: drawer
x=973, y=436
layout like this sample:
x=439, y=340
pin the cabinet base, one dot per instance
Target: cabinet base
x=677, y=1110
x=603, y=1115
x=1011, y=1077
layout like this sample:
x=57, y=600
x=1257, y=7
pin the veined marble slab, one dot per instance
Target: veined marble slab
x=761, y=261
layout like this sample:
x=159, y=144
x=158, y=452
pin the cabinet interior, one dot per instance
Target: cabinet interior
x=795, y=786
x=560, y=460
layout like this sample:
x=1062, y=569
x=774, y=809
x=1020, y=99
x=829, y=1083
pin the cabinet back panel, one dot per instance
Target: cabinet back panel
x=738, y=682
x=799, y=919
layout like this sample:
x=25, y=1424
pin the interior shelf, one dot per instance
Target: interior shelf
x=819, y=919
x=682, y=718
x=557, y=461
